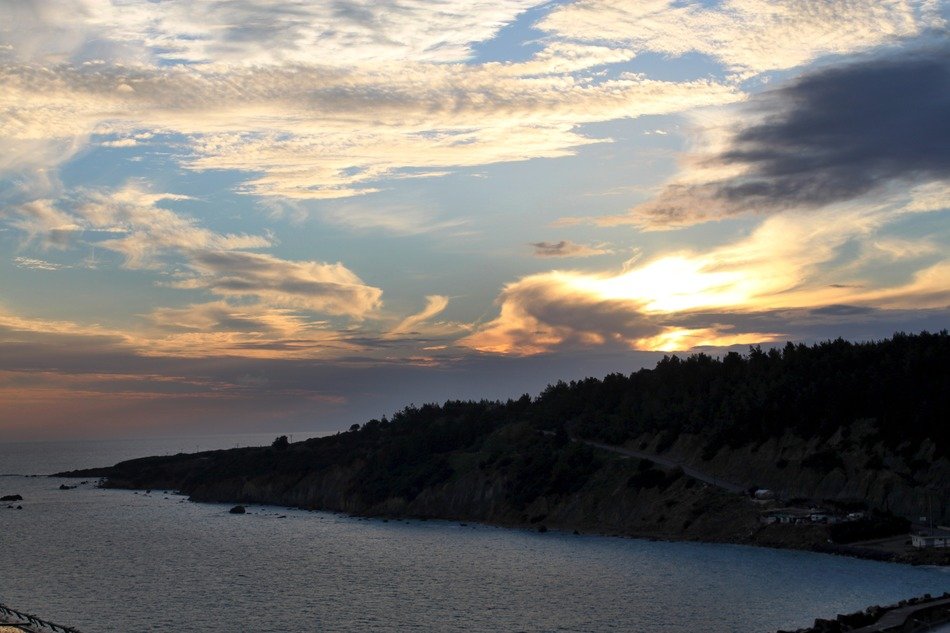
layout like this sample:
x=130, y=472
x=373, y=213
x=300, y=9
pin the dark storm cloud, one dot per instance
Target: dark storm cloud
x=848, y=131
x=830, y=136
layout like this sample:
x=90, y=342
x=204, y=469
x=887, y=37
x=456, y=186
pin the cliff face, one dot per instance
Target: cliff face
x=908, y=483
x=857, y=423
x=621, y=496
x=502, y=482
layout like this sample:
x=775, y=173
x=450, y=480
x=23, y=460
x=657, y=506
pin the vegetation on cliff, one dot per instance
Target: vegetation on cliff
x=901, y=386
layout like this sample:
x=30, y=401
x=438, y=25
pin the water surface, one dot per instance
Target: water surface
x=113, y=560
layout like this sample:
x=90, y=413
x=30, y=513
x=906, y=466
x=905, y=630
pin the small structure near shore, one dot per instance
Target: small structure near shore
x=799, y=516
x=936, y=539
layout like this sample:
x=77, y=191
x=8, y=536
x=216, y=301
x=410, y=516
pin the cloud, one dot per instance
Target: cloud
x=748, y=36
x=568, y=57
x=220, y=316
x=929, y=197
x=146, y=233
x=152, y=237
x=435, y=304
x=326, y=288
x=567, y=248
x=898, y=249
x=122, y=142
x=398, y=219
x=400, y=96
x=37, y=264
x=16, y=329
x=43, y=224
x=67, y=385
x=258, y=330
x=252, y=32
x=833, y=135
x=793, y=264
x=322, y=132
x=552, y=310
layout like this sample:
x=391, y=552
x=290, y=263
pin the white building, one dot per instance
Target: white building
x=927, y=541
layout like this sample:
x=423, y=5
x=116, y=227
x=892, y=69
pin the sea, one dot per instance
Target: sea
x=125, y=561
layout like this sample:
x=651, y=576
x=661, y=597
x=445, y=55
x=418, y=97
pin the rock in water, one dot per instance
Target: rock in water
x=11, y=498
x=237, y=510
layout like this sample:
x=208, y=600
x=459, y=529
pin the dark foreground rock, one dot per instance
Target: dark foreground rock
x=238, y=510
x=11, y=498
x=915, y=614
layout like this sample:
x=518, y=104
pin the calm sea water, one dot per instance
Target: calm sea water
x=117, y=561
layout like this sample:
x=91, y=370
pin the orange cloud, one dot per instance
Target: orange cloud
x=784, y=264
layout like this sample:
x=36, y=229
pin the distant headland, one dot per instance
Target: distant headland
x=838, y=447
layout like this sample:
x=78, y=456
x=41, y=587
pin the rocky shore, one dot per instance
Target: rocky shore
x=916, y=614
x=618, y=497
x=846, y=442
x=16, y=621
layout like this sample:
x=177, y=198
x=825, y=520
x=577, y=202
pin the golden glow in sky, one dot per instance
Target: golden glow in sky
x=333, y=207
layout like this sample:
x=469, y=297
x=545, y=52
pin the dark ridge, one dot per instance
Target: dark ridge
x=803, y=421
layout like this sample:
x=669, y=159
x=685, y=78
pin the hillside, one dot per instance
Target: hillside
x=840, y=424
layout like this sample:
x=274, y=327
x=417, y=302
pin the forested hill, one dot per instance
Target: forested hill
x=855, y=422
x=900, y=386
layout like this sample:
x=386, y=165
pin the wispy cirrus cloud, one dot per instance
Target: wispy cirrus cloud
x=41, y=222
x=567, y=248
x=745, y=35
x=38, y=264
x=221, y=316
x=329, y=132
x=435, y=305
x=150, y=236
x=252, y=32
x=397, y=219
x=145, y=233
x=401, y=96
x=242, y=330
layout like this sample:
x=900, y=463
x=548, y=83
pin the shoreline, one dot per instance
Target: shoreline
x=298, y=521
x=28, y=622
x=931, y=558
x=927, y=611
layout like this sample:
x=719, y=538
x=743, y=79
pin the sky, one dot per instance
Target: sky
x=264, y=215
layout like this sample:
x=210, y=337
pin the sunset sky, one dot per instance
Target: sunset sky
x=257, y=215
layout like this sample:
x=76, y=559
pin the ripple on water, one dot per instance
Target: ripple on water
x=110, y=560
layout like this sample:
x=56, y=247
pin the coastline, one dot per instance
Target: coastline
x=512, y=474
x=23, y=622
x=263, y=525
x=780, y=537
x=921, y=614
